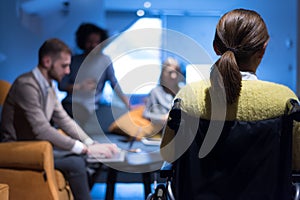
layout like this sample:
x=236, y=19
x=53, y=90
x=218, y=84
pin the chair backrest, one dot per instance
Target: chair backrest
x=4, y=88
x=251, y=160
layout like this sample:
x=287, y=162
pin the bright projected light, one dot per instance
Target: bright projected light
x=197, y=72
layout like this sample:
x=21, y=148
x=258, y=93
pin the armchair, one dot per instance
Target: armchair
x=28, y=169
x=4, y=88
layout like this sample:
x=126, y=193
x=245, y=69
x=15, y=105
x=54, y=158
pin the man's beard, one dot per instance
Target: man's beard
x=53, y=75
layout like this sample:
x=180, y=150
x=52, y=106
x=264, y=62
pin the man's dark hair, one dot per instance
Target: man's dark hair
x=53, y=47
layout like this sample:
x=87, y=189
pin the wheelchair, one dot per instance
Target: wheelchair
x=290, y=179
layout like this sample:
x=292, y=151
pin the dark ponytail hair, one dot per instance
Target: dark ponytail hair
x=239, y=34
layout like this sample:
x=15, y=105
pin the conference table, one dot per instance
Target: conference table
x=139, y=158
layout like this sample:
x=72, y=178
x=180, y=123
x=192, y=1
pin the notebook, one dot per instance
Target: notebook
x=151, y=141
x=117, y=157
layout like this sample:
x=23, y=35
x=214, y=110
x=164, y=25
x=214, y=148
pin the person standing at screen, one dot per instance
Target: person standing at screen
x=96, y=69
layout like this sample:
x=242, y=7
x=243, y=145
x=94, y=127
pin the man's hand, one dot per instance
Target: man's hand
x=105, y=149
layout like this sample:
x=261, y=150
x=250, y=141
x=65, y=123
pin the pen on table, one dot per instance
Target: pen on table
x=131, y=142
x=133, y=139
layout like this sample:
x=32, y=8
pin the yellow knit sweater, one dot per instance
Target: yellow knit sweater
x=258, y=100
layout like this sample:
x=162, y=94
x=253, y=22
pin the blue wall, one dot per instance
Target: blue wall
x=19, y=44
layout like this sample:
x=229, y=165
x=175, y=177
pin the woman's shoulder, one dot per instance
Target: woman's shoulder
x=194, y=88
x=157, y=90
x=266, y=88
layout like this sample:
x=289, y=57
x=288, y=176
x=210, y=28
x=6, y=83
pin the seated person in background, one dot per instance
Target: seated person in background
x=159, y=101
x=92, y=75
x=234, y=94
x=31, y=107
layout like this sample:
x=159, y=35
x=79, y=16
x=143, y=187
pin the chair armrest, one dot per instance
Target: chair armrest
x=4, y=191
x=35, y=155
x=31, y=156
x=166, y=171
x=293, y=109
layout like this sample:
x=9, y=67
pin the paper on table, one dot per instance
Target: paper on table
x=117, y=157
x=151, y=141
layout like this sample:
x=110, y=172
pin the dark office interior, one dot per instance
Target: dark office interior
x=25, y=24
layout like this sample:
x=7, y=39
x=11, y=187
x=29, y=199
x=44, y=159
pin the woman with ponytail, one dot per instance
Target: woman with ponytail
x=241, y=39
x=225, y=133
